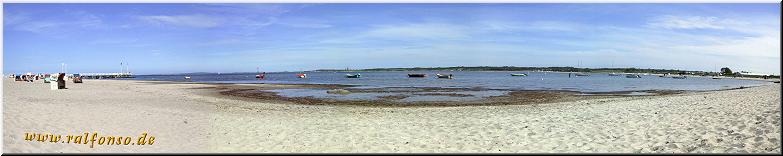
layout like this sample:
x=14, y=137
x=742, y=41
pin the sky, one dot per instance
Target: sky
x=181, y=38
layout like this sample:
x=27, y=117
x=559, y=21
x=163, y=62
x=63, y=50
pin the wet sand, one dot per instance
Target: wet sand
x=263, y=93
x=190, y=117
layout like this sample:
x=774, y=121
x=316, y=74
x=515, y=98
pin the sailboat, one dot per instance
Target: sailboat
x=613, y=73
x=580, y=73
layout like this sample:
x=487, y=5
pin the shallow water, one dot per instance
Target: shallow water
x=596, y=82
x=492, y=80
x=409, y=96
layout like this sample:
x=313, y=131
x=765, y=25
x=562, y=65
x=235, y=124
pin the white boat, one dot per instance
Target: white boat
x=353, y=76
x=444, y=76
x=679, y=77
x=632, y=76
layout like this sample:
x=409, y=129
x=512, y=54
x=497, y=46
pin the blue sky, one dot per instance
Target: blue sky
x=178, y=38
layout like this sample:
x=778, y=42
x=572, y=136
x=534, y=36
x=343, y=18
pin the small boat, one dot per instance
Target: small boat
x=417, y=75
x=633, y=76
x=259, y=75
x=353, y=76
x=614, y=74
x=581, y=74
x=518, y=74
x=716, y=78
x=678, y=77
x=444, y=76
x=301, y=75
x=187, y=77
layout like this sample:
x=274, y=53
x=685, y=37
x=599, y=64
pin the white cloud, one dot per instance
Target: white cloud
x=11, y=18
x=199, y=21
x=56, y=26
x=439, y=31
x=510, y=26
x=762, y=46
x=745, y=45
x=686, y=22
x=403, y=33
x=113, y=41
x=303, y=23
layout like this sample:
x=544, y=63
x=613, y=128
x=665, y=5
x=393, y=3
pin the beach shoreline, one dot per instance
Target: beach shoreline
x=187, y=117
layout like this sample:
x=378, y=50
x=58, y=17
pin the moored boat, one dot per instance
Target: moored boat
x=302, y=75
x=353, y=76
x=259, y=75
x=444, y=76
x=632, y=76
x=581, y=74
x=614, y=74
x=518, y=74
x=417, y=75
x=679, y=77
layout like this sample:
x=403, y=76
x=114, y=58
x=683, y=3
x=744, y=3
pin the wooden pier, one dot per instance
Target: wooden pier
x=105, y=75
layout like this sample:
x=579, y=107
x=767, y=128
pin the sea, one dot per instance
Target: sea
x=495, y=82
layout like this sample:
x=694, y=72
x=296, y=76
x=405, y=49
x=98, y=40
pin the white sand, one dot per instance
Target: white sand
x=185, y=120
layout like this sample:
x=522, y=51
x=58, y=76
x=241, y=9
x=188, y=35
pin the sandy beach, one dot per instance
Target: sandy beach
x=189, y=118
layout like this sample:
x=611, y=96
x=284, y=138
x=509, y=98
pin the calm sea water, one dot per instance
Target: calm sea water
x=596, y=82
